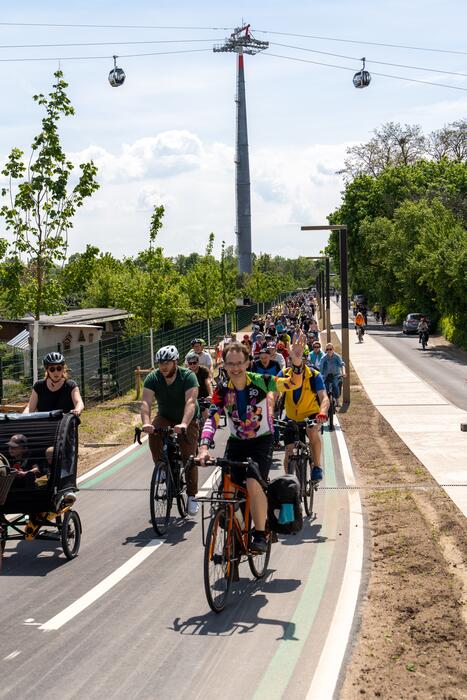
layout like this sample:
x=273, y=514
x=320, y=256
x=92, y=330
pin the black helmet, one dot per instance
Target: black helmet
x=53, y=358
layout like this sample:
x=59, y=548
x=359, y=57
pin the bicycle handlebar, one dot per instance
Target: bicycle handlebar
x=159, y=431
x=284, y=423
x=221, y=462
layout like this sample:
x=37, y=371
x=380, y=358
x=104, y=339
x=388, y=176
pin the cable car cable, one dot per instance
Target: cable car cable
x=384, y=75
x=369, y=43
x=108, y=26
x=369, y=60
x=103, y=43
x=107, y=57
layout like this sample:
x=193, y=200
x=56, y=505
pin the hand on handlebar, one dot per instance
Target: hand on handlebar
x=321, y=418
x=203, y=456
x=180, y=428
x=148, y=428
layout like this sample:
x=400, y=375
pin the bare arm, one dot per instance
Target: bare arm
x=32, y=404
x=77, y=402
x=190, y=407
x=323, y=401
x=146, y=403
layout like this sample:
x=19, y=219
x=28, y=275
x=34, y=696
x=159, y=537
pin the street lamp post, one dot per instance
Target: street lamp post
x=324, y=293
x=342, y=228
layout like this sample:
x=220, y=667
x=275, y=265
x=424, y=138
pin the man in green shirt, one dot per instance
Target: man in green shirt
x=176, y=391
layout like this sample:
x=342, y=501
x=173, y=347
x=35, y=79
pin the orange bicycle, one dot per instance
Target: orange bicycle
x=227, y=542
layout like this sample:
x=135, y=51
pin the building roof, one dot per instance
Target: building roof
x=20, y=341
x=76, y=316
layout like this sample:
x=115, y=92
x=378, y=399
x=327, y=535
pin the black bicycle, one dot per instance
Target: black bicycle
x=168, y=482
x=300, y=462
x=332, y=399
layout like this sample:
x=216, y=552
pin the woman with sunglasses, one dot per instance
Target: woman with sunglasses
x=55, y=391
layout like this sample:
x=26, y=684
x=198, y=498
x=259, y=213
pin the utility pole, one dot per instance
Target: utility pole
x=242, y=42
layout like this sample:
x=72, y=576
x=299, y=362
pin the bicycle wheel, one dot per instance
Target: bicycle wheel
x=258, y=563
x=160, y=499
x=71, y=534
x=332, y=410
x=219, y=554
x=308, y=491
x=180, y=489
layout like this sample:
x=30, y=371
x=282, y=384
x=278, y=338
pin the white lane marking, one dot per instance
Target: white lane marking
x=11, y=656
x=108, y=462
x=105, y=585
x=332, y=655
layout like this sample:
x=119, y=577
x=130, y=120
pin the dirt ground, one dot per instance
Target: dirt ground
x=412, y=637
x=106, y=429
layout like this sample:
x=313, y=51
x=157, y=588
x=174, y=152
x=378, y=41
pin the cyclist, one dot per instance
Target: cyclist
x=244, y=399
x=202, y=375
x=316, y=354
x=359, y=322
x=205, y=359
x=55, y=391
x=423, y=327
x=332, y=364
x=307, y=401
x=176, y=391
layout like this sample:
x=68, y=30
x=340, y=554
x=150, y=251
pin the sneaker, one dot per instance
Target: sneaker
x=258, y=543
x=317, y=474
x=193, y=505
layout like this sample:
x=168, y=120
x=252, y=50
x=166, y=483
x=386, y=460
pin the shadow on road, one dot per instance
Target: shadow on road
x=36, y=558
x=176, y=533
x=242, y=615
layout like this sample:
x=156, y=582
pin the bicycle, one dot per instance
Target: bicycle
x=332, y=399
x=424, y=339
x=168, y=481
x=227, y=542
x=300, y=463
x=360, y=333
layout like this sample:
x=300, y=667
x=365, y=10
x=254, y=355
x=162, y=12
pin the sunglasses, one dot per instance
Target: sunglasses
x=193, y=362
x=55, y=368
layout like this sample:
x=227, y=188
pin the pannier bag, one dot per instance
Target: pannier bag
x=284, y=507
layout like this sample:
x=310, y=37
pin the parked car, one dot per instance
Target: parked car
x=411, y=322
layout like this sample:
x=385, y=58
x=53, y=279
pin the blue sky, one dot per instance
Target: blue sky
x=167, y=136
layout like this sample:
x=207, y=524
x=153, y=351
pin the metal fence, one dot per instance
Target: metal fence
x=106, y=369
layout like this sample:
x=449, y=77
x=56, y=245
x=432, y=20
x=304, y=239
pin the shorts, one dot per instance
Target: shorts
x=258, y=449
x=296, y=431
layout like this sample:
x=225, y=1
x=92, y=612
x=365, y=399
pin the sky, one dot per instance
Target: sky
x=167, y=136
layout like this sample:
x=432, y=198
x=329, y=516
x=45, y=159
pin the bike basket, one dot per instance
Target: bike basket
x=5, y=485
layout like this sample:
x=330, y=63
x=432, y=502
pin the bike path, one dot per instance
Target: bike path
x=152, y=634
x=424, y=419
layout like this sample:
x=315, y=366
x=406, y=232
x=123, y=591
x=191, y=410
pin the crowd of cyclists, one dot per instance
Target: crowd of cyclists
x=278, y=367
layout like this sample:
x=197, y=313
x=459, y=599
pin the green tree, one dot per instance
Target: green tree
x=76, y=274
x=41, y=206
x=203, y=284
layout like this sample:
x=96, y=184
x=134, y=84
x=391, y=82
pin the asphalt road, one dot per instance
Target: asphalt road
x=152, y=635
x=440, y=365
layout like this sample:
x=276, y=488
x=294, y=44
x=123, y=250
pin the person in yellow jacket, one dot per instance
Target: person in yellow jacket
x=309, y=401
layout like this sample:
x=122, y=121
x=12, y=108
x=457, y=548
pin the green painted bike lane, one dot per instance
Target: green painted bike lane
x=112, y=469
x=282, y=666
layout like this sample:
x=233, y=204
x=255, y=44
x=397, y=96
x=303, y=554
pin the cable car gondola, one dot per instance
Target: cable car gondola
x=116, y=75
x=363, y=78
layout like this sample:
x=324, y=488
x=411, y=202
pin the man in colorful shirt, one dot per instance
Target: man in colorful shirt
x=244, y=400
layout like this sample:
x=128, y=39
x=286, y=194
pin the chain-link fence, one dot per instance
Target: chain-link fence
x=106, y=368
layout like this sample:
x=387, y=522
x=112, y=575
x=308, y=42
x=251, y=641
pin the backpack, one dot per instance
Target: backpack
x=284, y=507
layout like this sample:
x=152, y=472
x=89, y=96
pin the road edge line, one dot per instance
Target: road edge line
x=108, y=462
x=330, y=664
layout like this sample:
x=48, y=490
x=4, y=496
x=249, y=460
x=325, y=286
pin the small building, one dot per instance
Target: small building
x=65, y=331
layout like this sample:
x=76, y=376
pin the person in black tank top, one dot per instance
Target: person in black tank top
x=55, y=391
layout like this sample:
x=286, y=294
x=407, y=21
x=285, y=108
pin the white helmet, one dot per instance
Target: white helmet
x=167, y=353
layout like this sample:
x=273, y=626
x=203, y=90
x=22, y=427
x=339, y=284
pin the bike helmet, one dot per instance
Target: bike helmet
x=53, y=358
x=192, y=355
x=198, y=340
x=167, y=353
